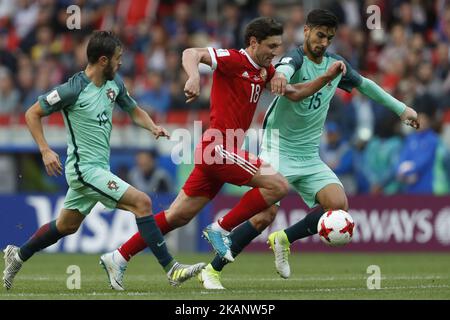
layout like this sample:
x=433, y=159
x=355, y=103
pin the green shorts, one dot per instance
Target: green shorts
x=96, y=185
x=307, y=175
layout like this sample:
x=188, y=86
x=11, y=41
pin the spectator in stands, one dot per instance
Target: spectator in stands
x=347, y=11
x=381, y=156
x=412, y=16
x=157, y=97
x=260, y=8
x=421, y=155
x=417, y=44
x=230, y=27
x=45, y=45
x=7, y=57
x=28, y=93
x=147, y=177
x=9, y=95
x=443, y=26
x=26, y=17
x=157, y=49
x=337, y=154
x=441, y=61
x=142, y=36
x=289, y=37
x=427, y=83
x=7, y=9
x=182, y=24
x=173, y=65
x=297, y=19
x=395, y=49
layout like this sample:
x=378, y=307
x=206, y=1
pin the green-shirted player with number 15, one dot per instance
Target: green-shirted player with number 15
x=297, y=127
x=86, y=101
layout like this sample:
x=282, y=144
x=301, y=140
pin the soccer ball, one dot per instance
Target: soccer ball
x=335, y=228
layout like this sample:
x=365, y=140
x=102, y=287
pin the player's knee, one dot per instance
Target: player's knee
x=336, y=204
x=280, y=187
x=143, y=205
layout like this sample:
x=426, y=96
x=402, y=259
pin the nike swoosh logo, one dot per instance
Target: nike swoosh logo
x=305, y=79
x=160, y=244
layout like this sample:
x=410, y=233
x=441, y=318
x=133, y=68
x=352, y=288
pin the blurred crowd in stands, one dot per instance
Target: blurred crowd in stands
x=364, y=143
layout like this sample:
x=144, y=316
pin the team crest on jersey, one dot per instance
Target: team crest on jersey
x=263, y=74
x=112, y=185
x=111, y=94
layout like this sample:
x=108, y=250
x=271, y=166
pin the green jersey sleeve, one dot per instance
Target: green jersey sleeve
x=290, y=63
x=351, y=79
x=62, y=96
x=124, y=100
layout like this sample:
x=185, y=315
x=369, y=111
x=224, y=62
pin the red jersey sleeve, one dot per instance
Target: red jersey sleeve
x=270, y=73
x=227, y=61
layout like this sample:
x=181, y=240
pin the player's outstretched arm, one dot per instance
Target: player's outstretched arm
x=143, y=120
x=376, y=93
x=190, y=61
x=49, y=157
x=300, y=91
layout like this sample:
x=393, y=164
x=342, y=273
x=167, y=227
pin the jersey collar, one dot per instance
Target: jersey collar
x=250, y=59
x=88, y=80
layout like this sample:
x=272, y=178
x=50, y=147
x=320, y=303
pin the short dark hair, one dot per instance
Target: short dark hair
x=102, y=43
x=320, y=18
x=262, y=28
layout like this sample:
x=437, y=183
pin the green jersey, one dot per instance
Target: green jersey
x=299, y=125
x=87, y=112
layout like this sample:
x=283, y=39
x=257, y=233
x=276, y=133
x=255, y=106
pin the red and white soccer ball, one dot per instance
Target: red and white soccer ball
x=335, y=228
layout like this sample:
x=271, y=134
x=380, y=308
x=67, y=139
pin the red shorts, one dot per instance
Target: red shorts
x=215, y=165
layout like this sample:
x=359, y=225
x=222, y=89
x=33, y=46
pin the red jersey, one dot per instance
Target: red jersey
x=237, y=86
x=238, y=83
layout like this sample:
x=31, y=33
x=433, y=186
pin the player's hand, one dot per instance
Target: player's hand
x=192, y=89
x=409, y=117
x=278, y=84
x=336, y=68
x=159, y=131
x=52, y=163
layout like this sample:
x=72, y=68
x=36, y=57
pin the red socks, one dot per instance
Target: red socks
x=161, y=221
x=136, y=243
x=250, y=204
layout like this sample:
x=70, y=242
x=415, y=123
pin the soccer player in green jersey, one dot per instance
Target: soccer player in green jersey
x=298, y=127
x=86, y=101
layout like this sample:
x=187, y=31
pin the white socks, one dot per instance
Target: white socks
x=216, y=227
x=119, y=259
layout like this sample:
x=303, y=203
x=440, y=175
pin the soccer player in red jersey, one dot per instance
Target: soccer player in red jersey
x=238, y=80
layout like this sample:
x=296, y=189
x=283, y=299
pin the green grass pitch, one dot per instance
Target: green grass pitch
x=251, y=276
